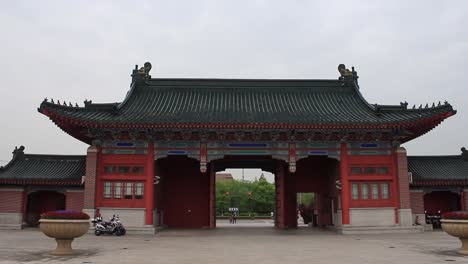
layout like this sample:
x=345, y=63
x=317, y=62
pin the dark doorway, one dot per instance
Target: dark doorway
x=183, y=193
x=443, y=201
x=43, y=201
x=317, y=175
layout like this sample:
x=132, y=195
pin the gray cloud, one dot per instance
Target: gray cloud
x=76, y=50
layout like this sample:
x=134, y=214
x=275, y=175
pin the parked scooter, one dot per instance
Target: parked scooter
x=114, y=226
x=434, y=219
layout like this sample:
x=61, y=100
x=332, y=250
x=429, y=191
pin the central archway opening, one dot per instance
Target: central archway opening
x=244, y=197
x=245, y=191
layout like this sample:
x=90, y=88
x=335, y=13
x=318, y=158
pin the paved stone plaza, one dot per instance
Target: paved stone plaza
x=245, y=242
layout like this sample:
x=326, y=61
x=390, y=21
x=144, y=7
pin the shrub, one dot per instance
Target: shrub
x=462, y=215
x=65, y=214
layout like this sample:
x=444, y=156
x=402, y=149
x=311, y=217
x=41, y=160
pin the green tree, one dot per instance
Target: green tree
x=257, y=196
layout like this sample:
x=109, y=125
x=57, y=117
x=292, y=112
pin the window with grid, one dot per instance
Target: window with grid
x=107, y=190
x=370, y=190
x=126, y=190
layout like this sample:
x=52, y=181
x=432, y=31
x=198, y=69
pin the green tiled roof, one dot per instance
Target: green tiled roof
x=438, y=168
x=237, y=101
x=32, y=167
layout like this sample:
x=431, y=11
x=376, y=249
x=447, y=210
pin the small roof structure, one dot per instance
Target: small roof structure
x=439, y=170
x=37, y=169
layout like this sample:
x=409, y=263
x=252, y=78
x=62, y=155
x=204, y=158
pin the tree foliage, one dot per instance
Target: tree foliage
x=257, y=196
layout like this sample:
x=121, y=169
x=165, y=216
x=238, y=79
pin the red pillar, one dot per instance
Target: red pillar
x=345, y=188
x=395, y=184
x=212, y=196
x=91, y=185
x=149, y=196
x=25, y=205
x=280, y=214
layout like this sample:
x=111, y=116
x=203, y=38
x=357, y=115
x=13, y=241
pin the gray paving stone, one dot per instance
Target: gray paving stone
x=245, y=242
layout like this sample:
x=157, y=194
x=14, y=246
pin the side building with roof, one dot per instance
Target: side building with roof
x=438, y=184
x=31, y=184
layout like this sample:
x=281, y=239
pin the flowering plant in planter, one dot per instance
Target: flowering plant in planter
x=456, y=224
x=65, y=214
x=64, y=226
x=462, y=215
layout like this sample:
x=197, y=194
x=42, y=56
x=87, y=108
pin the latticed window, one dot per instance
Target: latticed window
x=370, y=190
x=364, y=191
x=128, y=190
x=369, y=170
x=383, y=170
x=355, y=191
x=137, y=170
x=356, y=170
x=375, y=191
x=385, y=192
x=139, y=190
x=117, y=190
x=107, y=190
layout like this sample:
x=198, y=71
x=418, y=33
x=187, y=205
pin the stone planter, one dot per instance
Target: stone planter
x=64, y=231
x=457, y=228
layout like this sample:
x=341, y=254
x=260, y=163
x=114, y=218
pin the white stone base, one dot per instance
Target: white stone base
x=405, y=217
x=11, y=220
x=419, y=217
x=337, y=218
x=130, y=217
x=383, y=216
x=350, y=230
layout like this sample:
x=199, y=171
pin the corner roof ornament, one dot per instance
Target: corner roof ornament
x=348, y=77
x=464, y=153
x=141, y=74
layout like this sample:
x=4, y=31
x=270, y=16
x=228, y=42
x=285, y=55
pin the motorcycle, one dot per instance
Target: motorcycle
x=434, y=219
x=114, y=226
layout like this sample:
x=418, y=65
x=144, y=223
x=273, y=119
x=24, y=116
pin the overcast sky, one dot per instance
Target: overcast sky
x=413, y=51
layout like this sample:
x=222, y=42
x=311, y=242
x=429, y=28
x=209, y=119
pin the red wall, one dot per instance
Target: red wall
x=417, y=202
x=185, y=193
x=11, y=201
x=74, y=201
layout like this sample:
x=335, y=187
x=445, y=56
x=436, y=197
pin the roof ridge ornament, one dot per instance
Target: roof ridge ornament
x=18, y=151
x=464, y=153
x=348, y=77
x=142, y=73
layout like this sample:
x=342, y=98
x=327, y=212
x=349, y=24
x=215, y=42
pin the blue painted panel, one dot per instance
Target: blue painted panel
x=369, y=145
x=124, y=144
x=318, y=152
x=248, y=145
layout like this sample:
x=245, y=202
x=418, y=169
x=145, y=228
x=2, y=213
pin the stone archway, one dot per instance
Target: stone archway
x=43, y=201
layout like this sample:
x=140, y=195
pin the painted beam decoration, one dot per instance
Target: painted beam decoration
x=203, y=157
x=369, y=148
x=292, y=157
x=124, y=147
x=190, y=149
